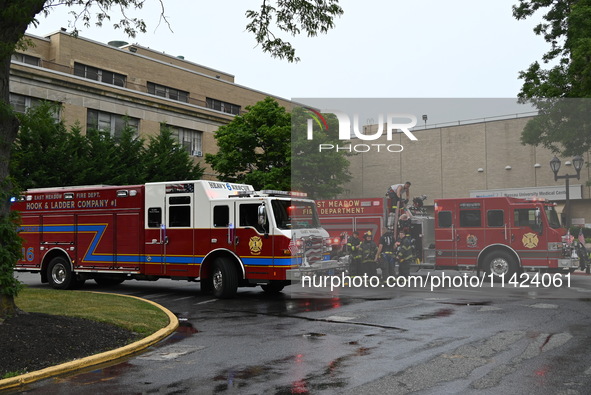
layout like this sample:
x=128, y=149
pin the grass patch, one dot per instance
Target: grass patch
x=129, y=313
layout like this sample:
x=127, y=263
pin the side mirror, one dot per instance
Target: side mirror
x=262, y=215
x=538, y=225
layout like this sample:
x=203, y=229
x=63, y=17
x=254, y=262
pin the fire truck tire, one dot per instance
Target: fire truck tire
x=499, y=263
x=109, y=281
x=206, y=286
x=273, y=287
x=60, y=274
x=224, y=278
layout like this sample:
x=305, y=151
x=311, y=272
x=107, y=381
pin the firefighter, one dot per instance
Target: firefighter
x=386, y=253
x=395, y=194
x=405, y=253
x=368, y=250
x=353, y=244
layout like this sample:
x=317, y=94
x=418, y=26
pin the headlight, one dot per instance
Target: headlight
x=556, y=246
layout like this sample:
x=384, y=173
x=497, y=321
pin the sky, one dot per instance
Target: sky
x=378, y=49
x=420, y=49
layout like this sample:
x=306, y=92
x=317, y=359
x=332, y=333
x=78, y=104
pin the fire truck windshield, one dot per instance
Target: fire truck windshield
x=292, y=214
x=552, y=216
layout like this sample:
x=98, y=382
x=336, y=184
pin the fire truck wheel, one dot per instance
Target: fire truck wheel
x=273, y=287
x=206, y=286
x=109, y=281
x=60, y=275
x=500, y=263
x=224, y=278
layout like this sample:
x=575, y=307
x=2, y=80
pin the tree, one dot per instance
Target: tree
x=255, y=147
x=268, y=148
x=40, y=155
x=560, y=93
x=293, y=16
x=321, y=174
x=47, y=154
x=167, y=160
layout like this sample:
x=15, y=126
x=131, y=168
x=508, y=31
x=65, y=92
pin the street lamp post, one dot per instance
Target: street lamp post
x=555, y=166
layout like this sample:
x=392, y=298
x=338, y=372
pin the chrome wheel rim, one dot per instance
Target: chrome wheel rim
x=499, y=266
x=58, y=273
x=217, y=279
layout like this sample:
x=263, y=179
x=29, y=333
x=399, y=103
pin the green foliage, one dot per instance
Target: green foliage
x=267, y=148
x=166, y=160
x=319, y=174
x=10, y=248
x=563, y=124
x=292, y=17
x=129, y=313
x=255, y=147
x=47, y=154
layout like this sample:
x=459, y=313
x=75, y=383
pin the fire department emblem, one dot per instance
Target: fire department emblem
x=530, y=240
x=471, y=241
x=256, y=245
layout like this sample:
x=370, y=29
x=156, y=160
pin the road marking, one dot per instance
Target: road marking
x=167, y=356
x=207, y=301
x=544, y=306
x=489, y=308
x=186, y=297
x=154, y=296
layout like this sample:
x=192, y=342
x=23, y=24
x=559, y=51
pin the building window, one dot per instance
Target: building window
x=222, y=106
x=168, y=92
x=24, y=58
x=21, y=103
x=94, y=73
x=190, y=139
x=106, y=121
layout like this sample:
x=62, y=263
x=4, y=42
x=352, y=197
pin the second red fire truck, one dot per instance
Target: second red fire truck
x=501, y=236
x=222, y=234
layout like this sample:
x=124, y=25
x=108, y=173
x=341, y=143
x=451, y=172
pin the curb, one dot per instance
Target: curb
x=98, y=358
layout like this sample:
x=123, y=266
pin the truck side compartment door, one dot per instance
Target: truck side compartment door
x=470, y=233
x=445, y=238
x=127, y=241
x=178, y=249
x=527, y=237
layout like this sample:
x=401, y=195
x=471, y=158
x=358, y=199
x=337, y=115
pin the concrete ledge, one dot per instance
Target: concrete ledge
x=98, y=358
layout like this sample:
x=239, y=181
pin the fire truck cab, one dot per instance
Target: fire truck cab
x=225, y=235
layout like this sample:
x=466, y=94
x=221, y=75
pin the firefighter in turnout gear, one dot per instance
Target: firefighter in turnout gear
x=369, y=250
x=386, y=253
x=354, y=251
x=405, y=254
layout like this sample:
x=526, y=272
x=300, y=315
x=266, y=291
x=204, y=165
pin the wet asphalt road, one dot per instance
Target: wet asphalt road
x=488, y=340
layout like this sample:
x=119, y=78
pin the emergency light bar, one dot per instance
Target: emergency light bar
x=272, y=192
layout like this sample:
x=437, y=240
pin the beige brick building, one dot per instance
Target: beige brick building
x=473, y=159
x=100, y=85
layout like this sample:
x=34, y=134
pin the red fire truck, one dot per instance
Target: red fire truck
x=497, y=235
x=340, y=217
x=224, y=235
